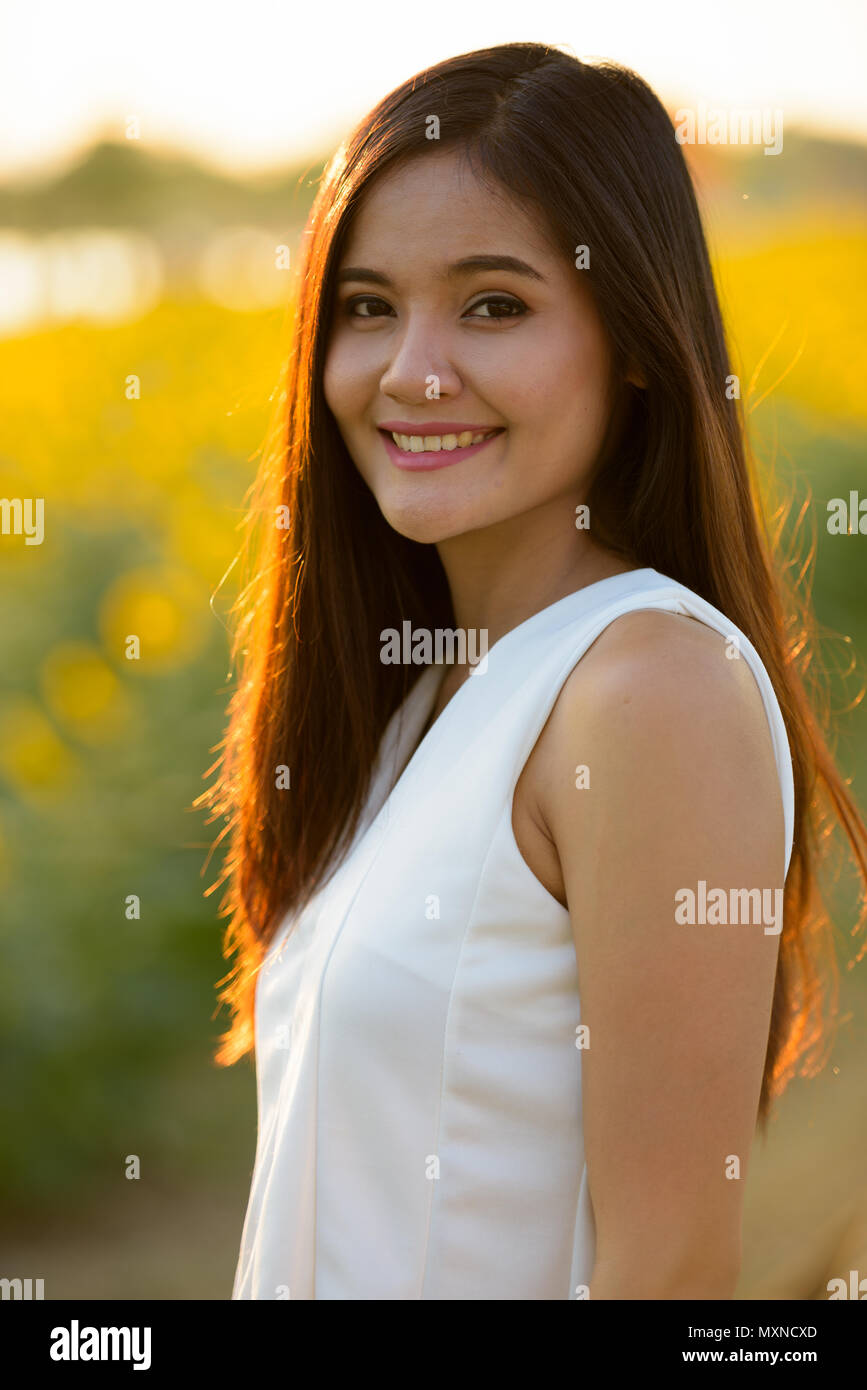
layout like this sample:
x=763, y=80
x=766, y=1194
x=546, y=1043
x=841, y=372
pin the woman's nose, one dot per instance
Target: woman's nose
x=419, y=362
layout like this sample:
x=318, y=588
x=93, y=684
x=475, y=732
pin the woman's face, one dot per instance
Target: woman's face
x=522, y=351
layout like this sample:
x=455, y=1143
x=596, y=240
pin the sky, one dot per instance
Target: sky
x=261, y=84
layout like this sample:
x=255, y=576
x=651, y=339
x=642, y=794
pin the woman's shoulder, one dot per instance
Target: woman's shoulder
x=659, y=696
x=659, y=661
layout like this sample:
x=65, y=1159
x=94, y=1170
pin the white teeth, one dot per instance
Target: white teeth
x=432, y=443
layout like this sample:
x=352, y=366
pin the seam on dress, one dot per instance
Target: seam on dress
x=374, y=855
x=470, y=917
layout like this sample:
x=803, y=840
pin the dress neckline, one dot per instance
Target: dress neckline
x=414, y=714
x=404, y=749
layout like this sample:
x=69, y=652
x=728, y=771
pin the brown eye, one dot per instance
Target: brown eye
x=514, y=307
x=362, y=299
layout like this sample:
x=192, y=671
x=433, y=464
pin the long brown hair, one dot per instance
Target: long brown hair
x=591, y=150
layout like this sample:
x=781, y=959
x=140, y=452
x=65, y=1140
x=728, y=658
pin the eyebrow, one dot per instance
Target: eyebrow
x=467, y=266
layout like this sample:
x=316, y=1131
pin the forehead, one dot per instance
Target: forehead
x=434, y=209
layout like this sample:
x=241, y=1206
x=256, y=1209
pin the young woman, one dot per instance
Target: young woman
x=533, y=939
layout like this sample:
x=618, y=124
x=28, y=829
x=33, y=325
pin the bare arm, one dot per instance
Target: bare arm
x=683, y=788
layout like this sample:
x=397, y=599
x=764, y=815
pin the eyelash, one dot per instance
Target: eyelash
x=488, y=299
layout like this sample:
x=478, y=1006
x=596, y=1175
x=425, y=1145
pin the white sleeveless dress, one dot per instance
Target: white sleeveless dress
x=419, y=1083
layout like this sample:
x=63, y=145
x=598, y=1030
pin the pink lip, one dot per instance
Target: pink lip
x=426, y=460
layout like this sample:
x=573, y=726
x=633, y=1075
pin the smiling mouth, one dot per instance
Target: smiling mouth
x=438, y=443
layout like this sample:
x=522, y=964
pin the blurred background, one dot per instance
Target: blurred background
x=151, y=166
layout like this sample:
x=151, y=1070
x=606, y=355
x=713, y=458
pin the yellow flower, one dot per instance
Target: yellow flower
x=83, y=692
x=155, y=618
x=33, y=759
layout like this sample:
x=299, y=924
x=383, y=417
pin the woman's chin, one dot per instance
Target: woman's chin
x=428, y=524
